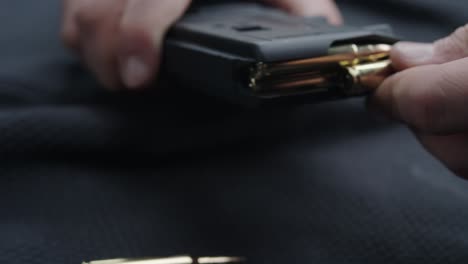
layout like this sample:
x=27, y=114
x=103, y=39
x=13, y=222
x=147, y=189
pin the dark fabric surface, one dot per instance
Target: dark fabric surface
x=89, y=175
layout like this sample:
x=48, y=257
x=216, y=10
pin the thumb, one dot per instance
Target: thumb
x=431, y=99
x=144, y=24
x=409, y=54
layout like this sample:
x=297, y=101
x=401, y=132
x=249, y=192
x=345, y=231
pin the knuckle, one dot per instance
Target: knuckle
x=460, y=39
x=454, y=46
x=462, y=32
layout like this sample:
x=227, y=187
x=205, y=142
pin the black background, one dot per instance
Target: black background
x=88, y=175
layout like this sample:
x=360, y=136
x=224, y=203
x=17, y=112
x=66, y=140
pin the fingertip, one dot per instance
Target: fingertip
x=333, y=14
x=135, y=73
x=137, y=59
x=144, y=25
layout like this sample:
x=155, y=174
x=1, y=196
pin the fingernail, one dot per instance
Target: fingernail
x=135, y=72
x=414, y=53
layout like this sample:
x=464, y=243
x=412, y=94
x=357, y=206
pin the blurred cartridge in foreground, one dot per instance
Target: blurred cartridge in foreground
x=174, y=260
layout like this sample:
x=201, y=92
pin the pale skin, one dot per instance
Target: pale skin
x=121, y=41
x=430, y=94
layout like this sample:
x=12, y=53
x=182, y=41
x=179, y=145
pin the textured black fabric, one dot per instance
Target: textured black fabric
x=87, y=175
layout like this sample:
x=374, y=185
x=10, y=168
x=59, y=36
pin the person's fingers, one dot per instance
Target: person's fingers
x=409, y=54
x=325, y=8
x=431, y=99
x=98, y=25
x=452, y=150
x=70, y=31
x=143, y=27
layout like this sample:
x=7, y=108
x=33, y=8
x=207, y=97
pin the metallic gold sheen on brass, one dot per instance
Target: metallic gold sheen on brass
x=173, y=260
x=353, y=69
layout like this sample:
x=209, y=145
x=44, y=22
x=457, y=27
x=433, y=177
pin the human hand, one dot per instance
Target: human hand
x=430, y=94
x=325, y=8
x=121, y=40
